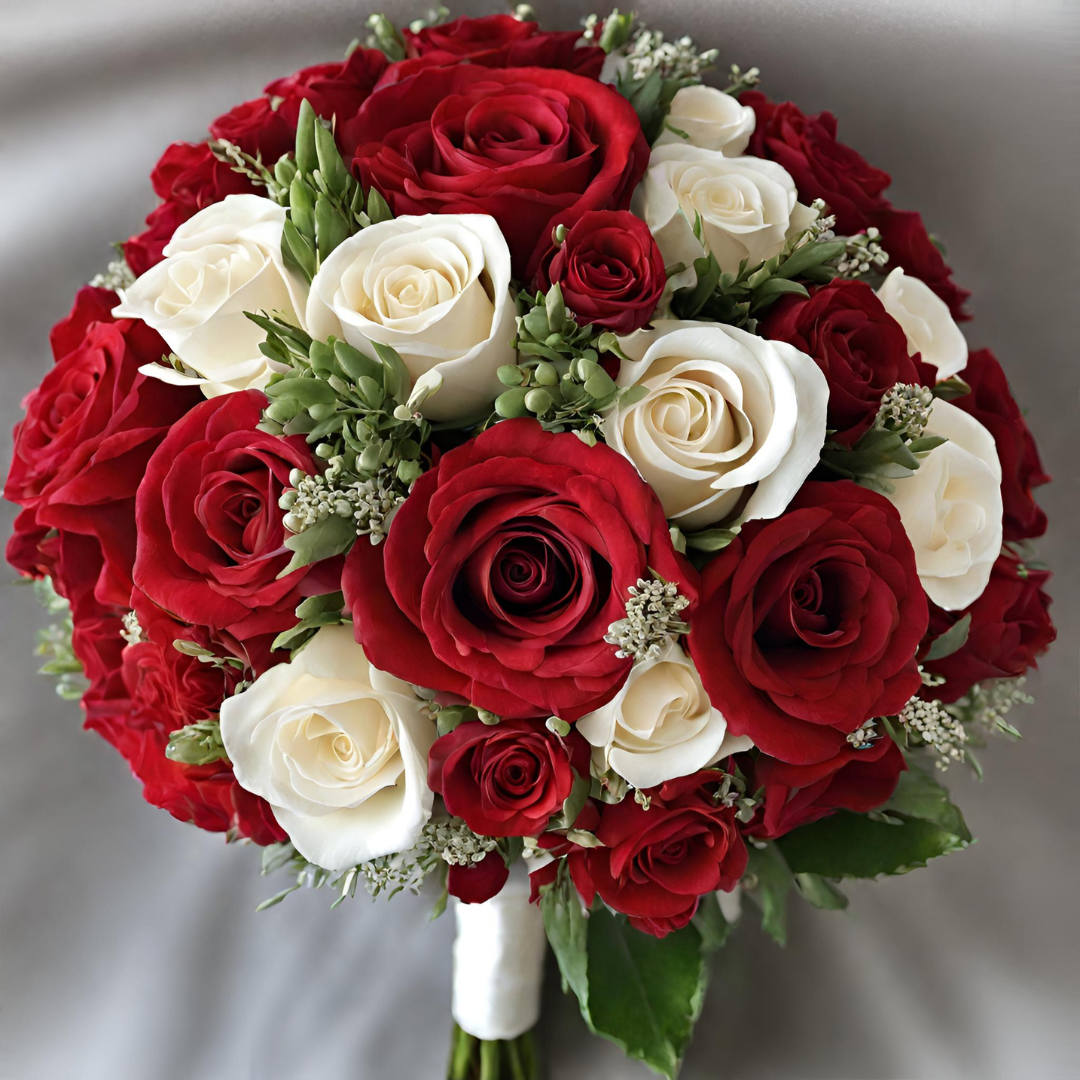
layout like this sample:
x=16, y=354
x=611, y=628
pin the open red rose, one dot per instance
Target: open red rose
x=655, y=864
x=794, y=795
x=821, y=167
x=809, y=624
x=610, y=271
x=1010, y=627
x=532, y=147
x=859, y=346
x=210, y=537
x=89, y=431
x=506, y=780
x=991, y=403
x=500, y=41
x=504, y=569
x=336, y=90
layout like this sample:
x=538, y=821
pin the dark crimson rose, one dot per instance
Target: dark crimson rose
x=257, y=128
x=809, y=624
x=610, y=271
x=532, y=147
x=794, y=795
x=504, y=568
x=1010, y=627
x=89, y=431
x=821, y=167
x=335, y=90
x=210, y=537
x=188, y=178
x=991, y=403
x=501, y=41
x=506, y=780
x=859, y=346
x=904, y=237
x=477, y=882
x=655, y=864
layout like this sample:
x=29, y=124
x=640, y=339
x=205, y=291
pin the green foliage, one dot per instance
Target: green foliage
x=312, y=614
x=197, y=744
x=878, y=458
x=953, y=640
x=385, y=36
x=769, y=883
x=738, y=297
x=54, y=643
x=651, y=98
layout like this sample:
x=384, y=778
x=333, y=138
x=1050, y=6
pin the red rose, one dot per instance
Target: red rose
x=478, y=882
x=501, y=41
x=188, y=178
x=991, y=403
x=532, y=147
x=809, y=624
x=610, y=271
x=257, y=128
x=859, y=346
x=821, y=167
x=506, y=780
x=794, y=795
x=908, y=244
x=88, y=433
x=335, y=90
x=504, y=568
x=1010, y=627
x=655, y=864
x=211, y=541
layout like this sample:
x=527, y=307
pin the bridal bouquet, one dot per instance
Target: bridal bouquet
x=507, y=464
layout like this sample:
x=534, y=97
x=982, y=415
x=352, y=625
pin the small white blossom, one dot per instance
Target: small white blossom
x=647, y=51
x=905, y=409
x=117, y=275
x=864, y=254
x=131, y=631
x=651, y=619
x=370, y=503
x=934, y=727
x=862, y=738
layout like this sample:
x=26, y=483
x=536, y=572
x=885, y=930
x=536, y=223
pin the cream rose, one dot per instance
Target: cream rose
x=436, y=289
x=748, y=207
x=220, y=263
x=710, y=119
x=661, y=724
x=925, y=318
x=730, y=426
x=951, y=508
x=339, y=750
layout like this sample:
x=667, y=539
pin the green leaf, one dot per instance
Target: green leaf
x=396, y=381
x=711, y=539
x=323, y=540
x=315, y=606
x=331, y=228
x=645, y=992
x=566, y=924
x=711, y=924
x=378, y=209
x=813, y=254
x=689, y=301
x=331, y=167
x=297, y=251
x=919, y=795
x=306, y=392
x=948, y=389
x=770, y=893
x=820, y=892
x=951, y=641
x=307, y=159
x=849, y=845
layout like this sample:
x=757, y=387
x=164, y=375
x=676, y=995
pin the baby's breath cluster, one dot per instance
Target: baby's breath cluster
x=863, y=255
x=652, y=618
x=370, y=504
x=863, y=737
x=905, y=410
x=932, y=726
x=648, y=51
x=117, y=275
x=987, y=704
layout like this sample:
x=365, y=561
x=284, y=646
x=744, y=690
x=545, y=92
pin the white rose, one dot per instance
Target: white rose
x=661, y=724
x=731, y=424
x=930, y=328
x=951, y=508
x=435, y=288
x=710, y=119
x=338, y=748
x=220, y=263
x=748, y=207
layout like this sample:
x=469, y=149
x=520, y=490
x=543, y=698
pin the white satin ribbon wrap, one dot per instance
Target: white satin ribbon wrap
x=499, y=963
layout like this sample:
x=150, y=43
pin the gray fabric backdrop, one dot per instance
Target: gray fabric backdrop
x=129, y=947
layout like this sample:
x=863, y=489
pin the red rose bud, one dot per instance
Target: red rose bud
x=610, y=271
x=860, y=348
x=476, y=883
x=1010, y=626
x=211, y=540
x=809, y=624
x=657, y=862
x=508, y=779
x=855, y=779
x=532, y=147
x=504, y=569
x=991, y=403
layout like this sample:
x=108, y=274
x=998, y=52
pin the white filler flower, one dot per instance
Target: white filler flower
x=220, y=263
x=661, y=724
x=710, y=119
x=925, y=318
x=747, y=207
x=437, y=289
x=339, y=750
x=951, y=508
x=730, y=426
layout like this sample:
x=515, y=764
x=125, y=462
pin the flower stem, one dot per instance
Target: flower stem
x=482, y=1059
